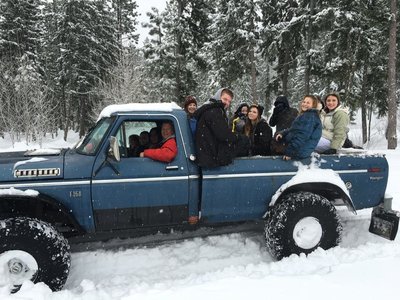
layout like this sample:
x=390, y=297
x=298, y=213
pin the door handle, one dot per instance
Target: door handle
x=169, y=168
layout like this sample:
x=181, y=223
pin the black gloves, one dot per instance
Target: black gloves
x=330, y=151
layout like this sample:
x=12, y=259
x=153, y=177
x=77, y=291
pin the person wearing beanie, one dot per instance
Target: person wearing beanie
x=283, y=115
x=190, y=106
x=258, y=131
x=239, y=118
x=335, y=125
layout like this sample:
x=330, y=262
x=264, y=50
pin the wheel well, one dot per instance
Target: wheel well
x=43, y=208
x=325, y=189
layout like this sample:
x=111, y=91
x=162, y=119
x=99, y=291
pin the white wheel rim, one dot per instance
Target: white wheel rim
x=307, y=233
x=16, y=266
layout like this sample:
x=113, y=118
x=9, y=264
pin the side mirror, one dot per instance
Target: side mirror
x=113, y=152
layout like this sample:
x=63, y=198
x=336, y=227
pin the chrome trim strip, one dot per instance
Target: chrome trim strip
x=150, y=179
x=352, y=171
x=39, y=184
x=224, y=176
x=155, y=179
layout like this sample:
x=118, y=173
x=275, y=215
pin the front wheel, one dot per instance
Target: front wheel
x=301, y=223
x=32, y=250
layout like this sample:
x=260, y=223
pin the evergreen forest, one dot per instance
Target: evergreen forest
x=62, y=61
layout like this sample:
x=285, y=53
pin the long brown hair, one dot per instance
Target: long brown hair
x=248, y=126
x=326, y=109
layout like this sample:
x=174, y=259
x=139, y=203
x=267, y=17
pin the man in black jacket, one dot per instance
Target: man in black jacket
x=215, y=142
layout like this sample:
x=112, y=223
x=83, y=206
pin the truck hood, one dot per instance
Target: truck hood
x=32, y=165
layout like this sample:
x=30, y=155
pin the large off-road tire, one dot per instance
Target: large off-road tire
x=32, y=250
x=301, y=223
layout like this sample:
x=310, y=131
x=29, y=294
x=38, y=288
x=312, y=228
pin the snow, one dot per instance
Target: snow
x=48, y=151
x=17, y=192
x=236, y=266
x=33, y=159
x=165, y=107
x=311, y=173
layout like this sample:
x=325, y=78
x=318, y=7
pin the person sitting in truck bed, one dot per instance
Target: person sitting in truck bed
x=258, y=130
x=215, y=141
x=305, y=132
x=335, y=125
x=168, y=149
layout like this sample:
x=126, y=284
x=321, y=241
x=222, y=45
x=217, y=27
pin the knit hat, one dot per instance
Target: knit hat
x=189, y=100
x=281, y=100
x=238, y=111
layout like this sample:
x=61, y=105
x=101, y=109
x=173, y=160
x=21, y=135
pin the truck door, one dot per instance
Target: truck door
x=145, y=192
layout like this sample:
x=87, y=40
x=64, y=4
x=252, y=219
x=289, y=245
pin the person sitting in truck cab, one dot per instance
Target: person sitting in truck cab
x=168, y=149
x=154, y=136
x=133, y=150
x=144, y=139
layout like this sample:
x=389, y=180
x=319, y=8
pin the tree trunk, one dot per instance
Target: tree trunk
x=363, y=103
x=82, y=115
x=307, y=70
x=285, y=71
x=370, y=110
x=65, y=117
x=253, y=75
x=392, y=105
x=178, y=55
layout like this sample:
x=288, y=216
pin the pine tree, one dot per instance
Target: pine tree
x=19, y=29
x=126, y=14
x=392, y=103
x=282, y=36
x=89, y=47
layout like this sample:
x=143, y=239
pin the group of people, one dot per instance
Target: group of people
x=319, y=126
x=146, y=140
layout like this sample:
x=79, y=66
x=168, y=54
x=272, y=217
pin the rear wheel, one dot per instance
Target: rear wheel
x=32, y=250
x=301, y=223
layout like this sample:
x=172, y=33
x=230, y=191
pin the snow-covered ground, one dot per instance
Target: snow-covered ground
x=236, y=266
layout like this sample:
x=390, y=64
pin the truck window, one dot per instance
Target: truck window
x=135, y=136
x=95, y=137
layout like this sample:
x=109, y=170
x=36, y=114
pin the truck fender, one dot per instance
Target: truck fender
x=38, y=207
x=326, y=189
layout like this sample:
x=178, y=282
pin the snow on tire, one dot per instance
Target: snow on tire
x=32, y=250
x=301, y=223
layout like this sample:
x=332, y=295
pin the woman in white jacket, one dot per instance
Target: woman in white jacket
x=335, y=125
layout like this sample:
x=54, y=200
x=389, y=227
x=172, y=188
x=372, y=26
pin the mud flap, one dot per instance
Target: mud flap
x=384, y=223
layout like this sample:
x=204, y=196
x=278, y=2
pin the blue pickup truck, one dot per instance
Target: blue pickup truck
x=97, y=190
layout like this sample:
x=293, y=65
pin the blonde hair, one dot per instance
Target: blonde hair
x=314, y=102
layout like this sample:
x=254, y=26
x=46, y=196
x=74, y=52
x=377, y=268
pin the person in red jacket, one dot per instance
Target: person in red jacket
x=168, y=149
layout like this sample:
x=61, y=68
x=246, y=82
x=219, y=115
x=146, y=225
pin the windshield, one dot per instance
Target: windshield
x=92, y=141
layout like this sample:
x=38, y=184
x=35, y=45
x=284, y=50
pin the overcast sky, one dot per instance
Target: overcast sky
x=143, y=7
